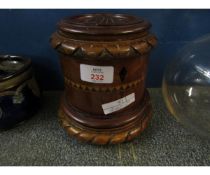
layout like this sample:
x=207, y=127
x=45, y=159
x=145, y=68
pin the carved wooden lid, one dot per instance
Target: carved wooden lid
x=103, y=35
x=103, y=24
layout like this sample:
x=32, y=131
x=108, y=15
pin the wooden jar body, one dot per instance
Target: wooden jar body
x=81, y=112
x=89, y=97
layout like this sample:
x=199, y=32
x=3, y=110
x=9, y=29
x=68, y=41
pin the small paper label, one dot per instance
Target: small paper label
x=118, y=104
x=96, y=74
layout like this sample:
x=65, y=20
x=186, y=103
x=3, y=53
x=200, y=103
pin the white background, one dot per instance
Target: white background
x=94, y=4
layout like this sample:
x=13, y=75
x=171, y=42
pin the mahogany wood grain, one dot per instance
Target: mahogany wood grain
x=117, y=40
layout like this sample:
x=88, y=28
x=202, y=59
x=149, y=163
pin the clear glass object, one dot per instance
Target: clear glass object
x=186, y=86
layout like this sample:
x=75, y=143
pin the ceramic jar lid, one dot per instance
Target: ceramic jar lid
x=13, y=70
x=12, y=65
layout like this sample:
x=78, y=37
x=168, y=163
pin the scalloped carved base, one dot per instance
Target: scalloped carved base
x=110, y=135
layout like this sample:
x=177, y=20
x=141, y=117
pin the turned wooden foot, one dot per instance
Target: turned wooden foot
x=107, y=131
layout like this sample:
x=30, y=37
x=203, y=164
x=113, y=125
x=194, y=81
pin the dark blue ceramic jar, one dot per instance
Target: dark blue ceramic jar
x=19, y=93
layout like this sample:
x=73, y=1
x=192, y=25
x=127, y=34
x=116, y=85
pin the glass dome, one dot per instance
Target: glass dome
x=186, y=86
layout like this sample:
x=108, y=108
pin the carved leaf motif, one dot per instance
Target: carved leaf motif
x=105, y=53
x=78, y=52
x=119, y=49
x=104, y=20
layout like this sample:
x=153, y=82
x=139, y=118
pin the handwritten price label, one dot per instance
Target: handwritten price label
x=96, y=74
x=119, y=104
